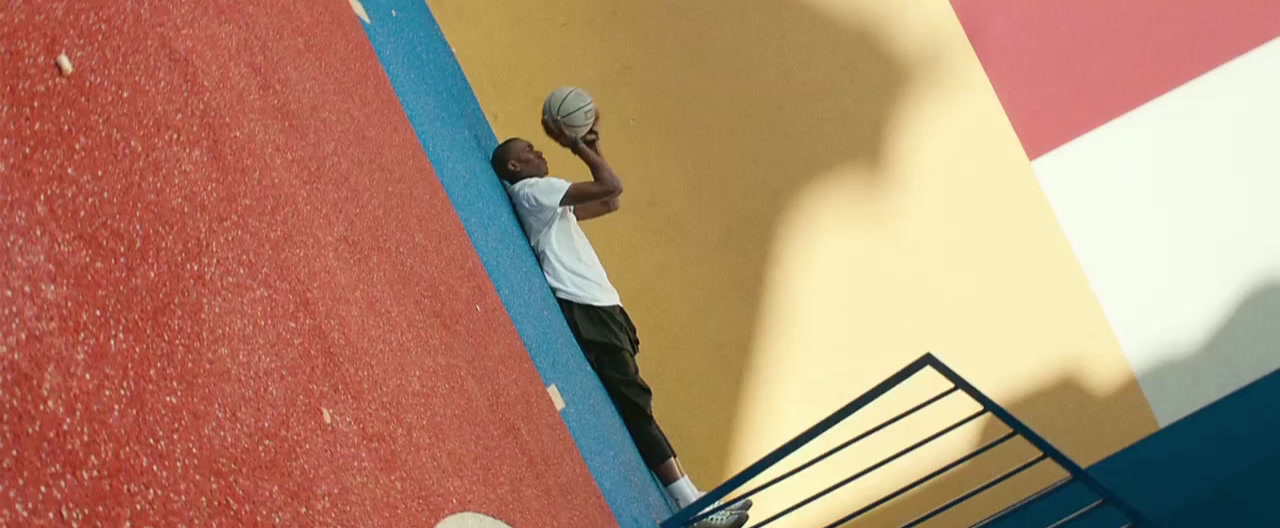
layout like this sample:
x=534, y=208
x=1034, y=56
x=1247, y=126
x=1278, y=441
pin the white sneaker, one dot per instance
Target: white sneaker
x=739, y=506
x=723, y=519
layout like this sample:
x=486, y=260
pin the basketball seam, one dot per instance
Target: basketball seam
x=560, y=106
x=575, y=110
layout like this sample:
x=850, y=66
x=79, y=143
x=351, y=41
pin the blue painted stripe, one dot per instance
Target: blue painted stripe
x=458, y=140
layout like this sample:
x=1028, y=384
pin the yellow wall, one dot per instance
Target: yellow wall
x=817, y=193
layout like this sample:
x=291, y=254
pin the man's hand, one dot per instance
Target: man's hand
x=555, y=130
x=604, y=184
x=592, y=138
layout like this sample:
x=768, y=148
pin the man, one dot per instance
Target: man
x=550, y=209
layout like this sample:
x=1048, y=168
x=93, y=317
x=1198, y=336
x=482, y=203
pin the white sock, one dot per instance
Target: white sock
x=683, y=492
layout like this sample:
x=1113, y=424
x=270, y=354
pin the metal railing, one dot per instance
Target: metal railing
x=1047, y=452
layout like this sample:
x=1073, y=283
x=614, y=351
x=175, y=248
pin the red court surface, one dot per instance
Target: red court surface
x=235, y=294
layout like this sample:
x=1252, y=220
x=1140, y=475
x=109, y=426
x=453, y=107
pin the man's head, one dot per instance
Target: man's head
x=516, y=159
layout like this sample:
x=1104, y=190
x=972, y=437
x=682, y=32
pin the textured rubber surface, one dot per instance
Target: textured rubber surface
x=234, y=293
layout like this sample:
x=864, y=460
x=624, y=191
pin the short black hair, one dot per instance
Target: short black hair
x=501, y=155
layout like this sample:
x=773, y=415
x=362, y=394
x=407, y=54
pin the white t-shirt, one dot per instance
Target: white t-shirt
x=570, y=263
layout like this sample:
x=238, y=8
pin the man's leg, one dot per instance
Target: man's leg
x=633, y=399
x=669, y=471
x=608, y=340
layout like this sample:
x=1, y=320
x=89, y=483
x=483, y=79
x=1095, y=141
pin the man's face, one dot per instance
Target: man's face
x=527, y=161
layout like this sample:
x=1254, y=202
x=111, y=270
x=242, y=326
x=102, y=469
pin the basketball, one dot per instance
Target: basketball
x=574, y=108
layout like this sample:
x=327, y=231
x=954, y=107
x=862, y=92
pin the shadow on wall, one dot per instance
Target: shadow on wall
x=750, y=102
x=1244, y=348
x=1063, y=410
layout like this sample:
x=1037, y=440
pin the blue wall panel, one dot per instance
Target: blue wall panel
x=1215, y=468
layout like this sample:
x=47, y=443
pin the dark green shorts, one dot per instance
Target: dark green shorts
x=609, y=341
